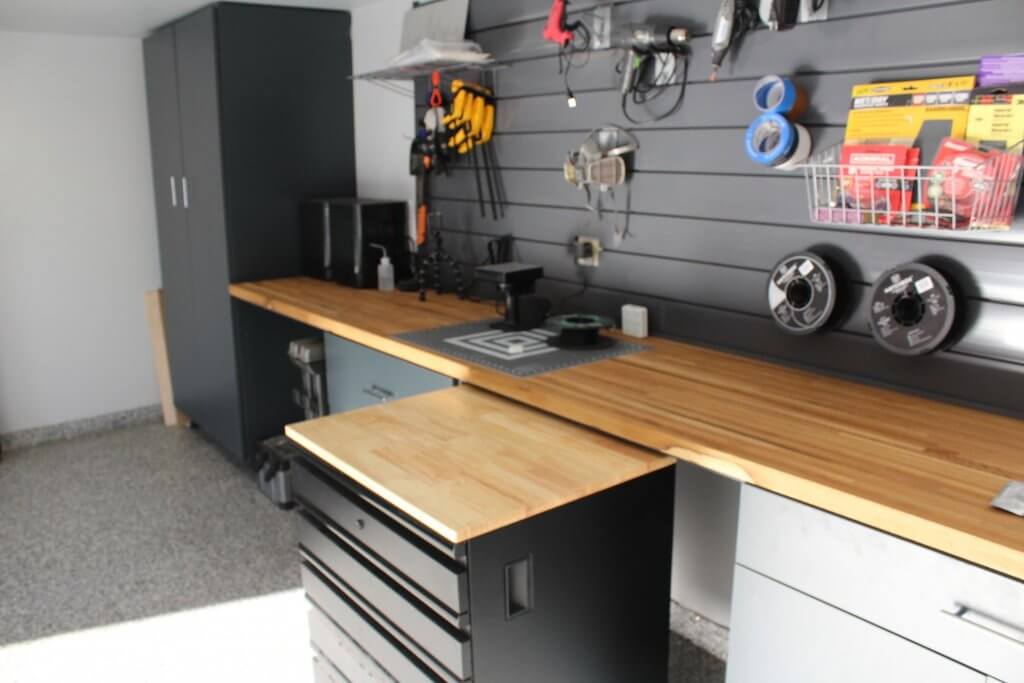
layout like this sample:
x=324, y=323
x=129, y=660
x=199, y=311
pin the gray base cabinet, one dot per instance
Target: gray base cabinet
x=826, y=576
x=780, y=635
x=358, y=376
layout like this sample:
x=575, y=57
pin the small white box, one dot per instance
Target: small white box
x=634, y=320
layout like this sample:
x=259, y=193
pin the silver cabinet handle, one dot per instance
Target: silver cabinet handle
x=986, y=622
x=379, y=393
x=184, y=191
x=174, y=192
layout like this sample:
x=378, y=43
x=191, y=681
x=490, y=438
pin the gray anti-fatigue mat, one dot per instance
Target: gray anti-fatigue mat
x=522, y=354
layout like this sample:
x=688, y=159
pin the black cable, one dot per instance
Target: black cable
x=580, y=33
x=640, y=92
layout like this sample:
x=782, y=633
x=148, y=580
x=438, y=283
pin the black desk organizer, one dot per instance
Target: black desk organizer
x=578, y=593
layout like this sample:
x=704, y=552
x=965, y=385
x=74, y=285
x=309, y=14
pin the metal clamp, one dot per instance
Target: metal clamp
x=986, y=622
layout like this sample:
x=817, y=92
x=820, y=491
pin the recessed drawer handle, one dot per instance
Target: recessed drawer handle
x=986, y=622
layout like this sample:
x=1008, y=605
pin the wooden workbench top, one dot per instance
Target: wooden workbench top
x=464, y=462
x=916, y=468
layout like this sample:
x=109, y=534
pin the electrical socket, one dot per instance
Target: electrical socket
x=587, y=251
x=601, y=27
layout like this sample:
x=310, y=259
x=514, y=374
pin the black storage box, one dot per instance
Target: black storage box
x=337, y=233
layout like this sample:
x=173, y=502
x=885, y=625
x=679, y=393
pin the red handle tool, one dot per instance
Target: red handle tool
x=555, y=30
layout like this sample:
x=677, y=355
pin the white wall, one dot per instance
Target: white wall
x=384, y=119
x=77, y=229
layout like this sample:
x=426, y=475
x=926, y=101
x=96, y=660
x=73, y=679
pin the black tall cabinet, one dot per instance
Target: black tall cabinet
x=250, y=111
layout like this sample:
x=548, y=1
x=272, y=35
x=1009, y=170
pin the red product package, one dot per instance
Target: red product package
x=879, y=180
x=961, y=174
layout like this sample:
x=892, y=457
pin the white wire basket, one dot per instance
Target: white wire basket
x=950, y=197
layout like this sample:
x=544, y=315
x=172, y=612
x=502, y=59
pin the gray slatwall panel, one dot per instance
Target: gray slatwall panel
x=540, y=76
x=779, y=198
x=724, y=104
x=743, y=291
x=488, y=16
x=958, y=32
x=708, y=225
x=988, y=271
x=727, y=104
x=717, y=150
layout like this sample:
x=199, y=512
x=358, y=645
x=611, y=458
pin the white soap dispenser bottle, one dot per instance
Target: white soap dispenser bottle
x=385, y=271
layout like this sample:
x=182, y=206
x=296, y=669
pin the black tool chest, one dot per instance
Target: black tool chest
x=578, y=593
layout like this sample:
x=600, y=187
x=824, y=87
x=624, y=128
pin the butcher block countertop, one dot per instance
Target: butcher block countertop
x=920, y=469
x=464, y=462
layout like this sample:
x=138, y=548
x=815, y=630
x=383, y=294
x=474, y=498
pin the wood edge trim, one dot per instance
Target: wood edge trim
x=388, y=345
x=373, y=486
x=960, y=544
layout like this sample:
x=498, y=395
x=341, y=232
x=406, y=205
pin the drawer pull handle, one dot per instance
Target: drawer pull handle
x=986, y=622
x=378, y=392
x=360, y=524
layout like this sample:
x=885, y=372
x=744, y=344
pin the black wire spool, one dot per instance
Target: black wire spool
x=580, y=331
x=802, y=293
x=913, y=310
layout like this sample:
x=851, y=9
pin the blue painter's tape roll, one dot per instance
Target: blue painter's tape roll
x=775, y=94
x=770, y=139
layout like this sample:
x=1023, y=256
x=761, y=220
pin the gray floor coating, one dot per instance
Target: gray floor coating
x=149, y=520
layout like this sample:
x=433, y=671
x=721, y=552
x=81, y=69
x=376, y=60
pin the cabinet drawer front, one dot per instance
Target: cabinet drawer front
x=325, y=672
x=358, y=376
x=778, y=635
x=942, y=603
x=335, y=645
x=406, y=550
x=387, y=599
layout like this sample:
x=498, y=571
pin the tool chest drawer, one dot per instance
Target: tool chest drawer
x=332, y=610
x=428, y=563
x=967, y=613
x=779, y=635
x=438, y=636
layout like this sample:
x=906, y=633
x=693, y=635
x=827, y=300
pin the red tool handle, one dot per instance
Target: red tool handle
x=555, y=30
x=435, y=96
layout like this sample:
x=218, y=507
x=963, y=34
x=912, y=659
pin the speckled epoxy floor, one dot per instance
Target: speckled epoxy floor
x=130, y=524
x=149, y=520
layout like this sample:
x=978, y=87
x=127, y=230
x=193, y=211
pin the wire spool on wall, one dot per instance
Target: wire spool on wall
x=913, y=310
x=802, y=293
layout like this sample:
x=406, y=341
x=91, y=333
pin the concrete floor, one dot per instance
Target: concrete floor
x=148, y=521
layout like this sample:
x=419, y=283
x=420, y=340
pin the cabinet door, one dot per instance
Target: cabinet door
x=172, y=226
x=218, y=411
x=779, y=635
x=358, y=376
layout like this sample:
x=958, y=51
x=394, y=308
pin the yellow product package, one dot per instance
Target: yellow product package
x=913, y=113
x=996, y=117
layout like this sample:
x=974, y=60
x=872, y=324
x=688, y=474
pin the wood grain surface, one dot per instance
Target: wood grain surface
x=464, y=462
x=920, y=469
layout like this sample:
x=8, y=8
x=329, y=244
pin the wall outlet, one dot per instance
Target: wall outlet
x=601, y=27
x=587, y=251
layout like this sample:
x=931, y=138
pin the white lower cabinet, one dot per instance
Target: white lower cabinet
x=862, y=605
x=779, y=635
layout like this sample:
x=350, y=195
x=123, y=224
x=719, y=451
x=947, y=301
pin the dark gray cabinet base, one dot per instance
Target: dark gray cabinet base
x=577, y=594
